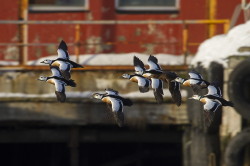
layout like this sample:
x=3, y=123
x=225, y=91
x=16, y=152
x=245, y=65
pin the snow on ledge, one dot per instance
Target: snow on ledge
x=118, y=59
x=220, y=47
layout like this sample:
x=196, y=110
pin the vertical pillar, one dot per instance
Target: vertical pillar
x=23, y=31
x=185, y=41
x=77, y=42
x=212, y=6
x=73, y=146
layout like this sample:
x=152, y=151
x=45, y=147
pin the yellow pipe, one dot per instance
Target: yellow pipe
x=211, y=16
x=77, y=42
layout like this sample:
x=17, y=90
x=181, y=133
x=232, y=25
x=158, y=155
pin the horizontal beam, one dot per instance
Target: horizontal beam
x=88, y=67
x=223, y=21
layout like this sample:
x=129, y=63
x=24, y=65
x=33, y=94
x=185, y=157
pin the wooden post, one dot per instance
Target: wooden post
x=23, y=32
x=73, y=145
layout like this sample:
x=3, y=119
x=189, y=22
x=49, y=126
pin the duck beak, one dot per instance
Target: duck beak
x=172, y=81
x=190, y=98
x=42, y=62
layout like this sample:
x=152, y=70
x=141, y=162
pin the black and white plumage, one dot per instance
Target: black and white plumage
x=59, y=82
x=156, y=72
x=212, y=101
x=115, y=104
x=195, y=81
x=157, y=86
x=143, y=83
x=63, y=61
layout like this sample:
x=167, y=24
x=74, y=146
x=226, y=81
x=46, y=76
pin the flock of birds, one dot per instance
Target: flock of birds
x=153, y=77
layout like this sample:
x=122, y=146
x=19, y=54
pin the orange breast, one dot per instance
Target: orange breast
x=106, y=100
x=203, y=100
x=186, y=83
x=51, y=81
x=55, y=64
x=133, y=79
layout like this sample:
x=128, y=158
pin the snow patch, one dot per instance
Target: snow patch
x=118, y=59
x=220, y=47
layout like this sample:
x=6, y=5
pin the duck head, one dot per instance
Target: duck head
x=126, y=76
x=46, y=61
x=42, y=78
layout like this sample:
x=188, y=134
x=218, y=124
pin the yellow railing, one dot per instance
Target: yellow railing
x=23, y=41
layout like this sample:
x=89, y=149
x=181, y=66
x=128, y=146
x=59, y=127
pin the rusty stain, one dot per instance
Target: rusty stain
x=121, y=38
x=91, y=46
x=138, y=32
x=12, y=52
x=38, y=52
x=149, y=48
x=89, y=16
x=51, y=49
x=107, y=33
x=105, y=9
x=151, y=29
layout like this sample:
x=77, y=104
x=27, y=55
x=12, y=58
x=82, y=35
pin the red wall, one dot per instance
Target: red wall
x=144, y=38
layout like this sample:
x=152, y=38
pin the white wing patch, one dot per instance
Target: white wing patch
x=155, y=83
x=195, y=75
x=55, y=72
x=65, y=66
x=215, y=91
x=139, y=70
x=141, y=81
x=117, y=105
x=62, y=54
x=153, y=66
x=59, y=85
x=210, y=104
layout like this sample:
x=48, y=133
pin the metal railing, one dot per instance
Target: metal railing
x=23, y=45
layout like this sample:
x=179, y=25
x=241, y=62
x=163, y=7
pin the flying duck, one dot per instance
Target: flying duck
x=63, y=61
x=59, y=82
x=115, y=104
x=156, y=72
x=196, y=81
x=212, y=101
x=143, y=83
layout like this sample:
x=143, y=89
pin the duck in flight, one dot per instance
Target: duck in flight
x=212, y=101
x=115, y=104
x=195, y=81
x=155, y=72
x=63, y=61
x=59, y=82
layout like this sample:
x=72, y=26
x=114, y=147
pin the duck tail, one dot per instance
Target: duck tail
x=127, y=102
x=226, y=103
x=71, y=83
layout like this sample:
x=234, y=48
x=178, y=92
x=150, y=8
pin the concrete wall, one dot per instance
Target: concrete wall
x=22, y=99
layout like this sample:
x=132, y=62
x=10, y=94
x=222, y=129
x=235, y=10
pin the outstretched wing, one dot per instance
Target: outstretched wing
x=139, y=66
x=214, y=90
x=110, y=91
x=117, y=109
x=153, y=63
x=60, y=91
x=55, y=71
x=62, y=50
x=195, y=75
x=143, y=84
x=174, y=88
x=209, y=110
x=157, y=86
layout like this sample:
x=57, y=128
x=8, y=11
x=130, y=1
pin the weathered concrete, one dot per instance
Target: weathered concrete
x=79, y=111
